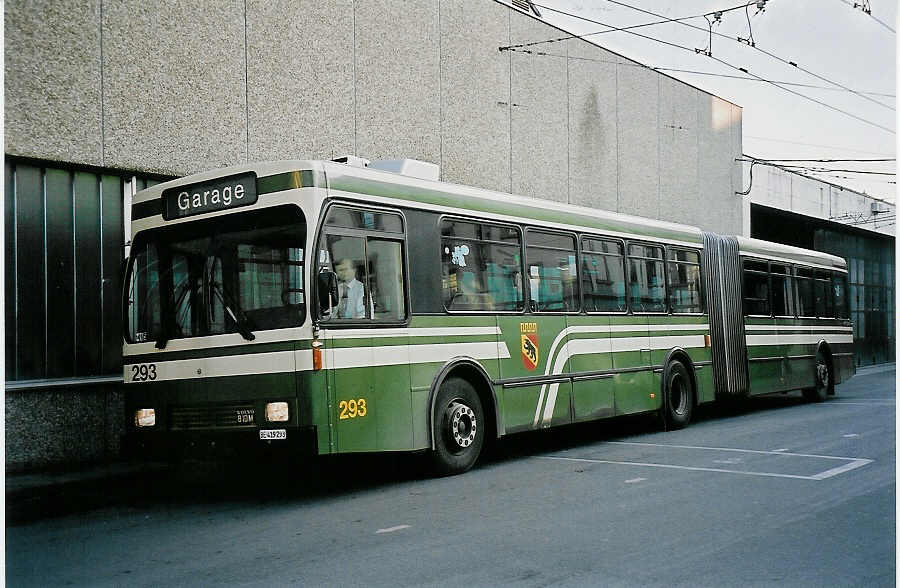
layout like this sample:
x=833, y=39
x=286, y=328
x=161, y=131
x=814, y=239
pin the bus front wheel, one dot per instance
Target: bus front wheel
x=458, y=429
x=678, y=402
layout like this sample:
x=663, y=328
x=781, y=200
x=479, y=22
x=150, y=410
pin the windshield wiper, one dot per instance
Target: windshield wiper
x=234, y=311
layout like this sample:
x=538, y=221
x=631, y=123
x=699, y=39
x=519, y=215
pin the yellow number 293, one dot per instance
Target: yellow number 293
x=353, y=408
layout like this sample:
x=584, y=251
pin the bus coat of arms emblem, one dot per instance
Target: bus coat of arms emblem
x=530, y=348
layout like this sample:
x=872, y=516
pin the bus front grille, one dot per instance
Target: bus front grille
x=211, y=416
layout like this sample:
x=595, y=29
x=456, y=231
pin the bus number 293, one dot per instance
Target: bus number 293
x=143, y=372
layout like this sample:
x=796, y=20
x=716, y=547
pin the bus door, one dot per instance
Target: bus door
x=543, y=395
x=536, y=389
x=367, y=344
x=637, y=388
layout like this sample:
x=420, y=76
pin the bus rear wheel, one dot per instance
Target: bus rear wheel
x=678, y=400
x=824, y=380
x=458, y=429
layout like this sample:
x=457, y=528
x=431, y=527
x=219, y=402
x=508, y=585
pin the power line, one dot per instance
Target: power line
x=866, y=9
x=721, y=75
x=734, y=67
x=737, y=40
x=810, y=168
x=835, y=160
x=812, y=145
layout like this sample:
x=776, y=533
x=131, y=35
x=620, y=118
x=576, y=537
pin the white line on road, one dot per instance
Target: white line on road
x=391, y=529
x=635, y=480
x=856, y=463
x=851, y=435
x=842, y=403
x=675, y=467
x=853, y=462
x=779, y=452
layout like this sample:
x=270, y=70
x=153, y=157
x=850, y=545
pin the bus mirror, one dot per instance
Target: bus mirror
x=328, y=291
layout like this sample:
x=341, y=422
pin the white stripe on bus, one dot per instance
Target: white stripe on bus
x=621, y=346
x=751, y=328
x=229, y=365
x=411, y=332
x=574, y=347
x=352, y=357
x=779, y=339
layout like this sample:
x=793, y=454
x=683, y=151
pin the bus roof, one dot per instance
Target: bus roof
x=385, y=187
x=372, y=185
x=789, y=254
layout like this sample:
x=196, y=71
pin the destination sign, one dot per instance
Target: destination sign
x=211, y=196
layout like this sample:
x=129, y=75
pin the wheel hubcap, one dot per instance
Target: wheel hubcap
x=463, y=424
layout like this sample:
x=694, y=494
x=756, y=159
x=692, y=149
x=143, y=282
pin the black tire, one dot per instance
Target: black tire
x=824, y=380
x=678, y=399
x=458, y=429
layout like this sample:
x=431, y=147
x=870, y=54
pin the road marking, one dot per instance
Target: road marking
x=852, y=462
x=635, y=480
x=780, y=450
x=851, y=435
x=842, y=403
x=856, y=463
x=391, y=529
x=729, y=449
x=729, y=460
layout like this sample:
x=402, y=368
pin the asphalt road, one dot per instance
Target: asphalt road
x=779, y=493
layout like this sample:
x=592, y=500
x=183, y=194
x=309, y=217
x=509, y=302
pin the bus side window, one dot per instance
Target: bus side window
x=552, y=272
x=603, y=275
x=481, y=266
x=685, y=286
x=824, y=295
x=839, y=285
x=782, y=290
x=365, y=250
x=806, y=300
x=756, y=288
x=647, y=285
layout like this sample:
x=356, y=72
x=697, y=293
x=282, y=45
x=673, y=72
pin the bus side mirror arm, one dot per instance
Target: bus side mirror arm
x=327, y=291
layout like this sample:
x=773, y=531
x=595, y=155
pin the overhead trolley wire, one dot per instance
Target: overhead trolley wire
x=734, y=67
x=798, y=84
x=736, y=40
x=869, y=12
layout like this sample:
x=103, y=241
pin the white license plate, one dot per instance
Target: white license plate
x=273, y=434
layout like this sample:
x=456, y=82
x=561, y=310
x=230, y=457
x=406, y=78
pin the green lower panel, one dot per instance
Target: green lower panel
x=594, y=399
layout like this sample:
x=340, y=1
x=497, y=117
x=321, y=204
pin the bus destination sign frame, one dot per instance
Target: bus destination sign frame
x=210, y=196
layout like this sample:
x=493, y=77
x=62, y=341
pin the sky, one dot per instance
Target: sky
x=840, y=44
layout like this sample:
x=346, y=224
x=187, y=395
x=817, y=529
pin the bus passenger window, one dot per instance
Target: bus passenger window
x=481, y=267
x=646, y=282
x=839, y=286
x=603, y=275
x=684, y=281
x=806, y=301
x=782, y=290
x=756, y=288
x=824, y=295
x=552, y=278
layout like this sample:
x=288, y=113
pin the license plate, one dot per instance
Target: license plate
x=267, y=434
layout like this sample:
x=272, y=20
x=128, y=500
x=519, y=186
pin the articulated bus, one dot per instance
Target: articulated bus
x=340, y=306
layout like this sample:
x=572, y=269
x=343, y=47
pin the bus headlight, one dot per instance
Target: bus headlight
x=277, y=412
x=144, y=417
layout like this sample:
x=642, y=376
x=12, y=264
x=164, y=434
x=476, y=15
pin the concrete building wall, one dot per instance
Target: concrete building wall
x=176, y=88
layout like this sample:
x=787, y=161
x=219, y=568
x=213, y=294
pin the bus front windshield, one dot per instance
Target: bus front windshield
x=239, y=273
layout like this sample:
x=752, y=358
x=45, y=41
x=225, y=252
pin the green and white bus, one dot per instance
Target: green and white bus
x=341, y=306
